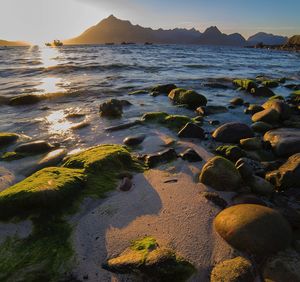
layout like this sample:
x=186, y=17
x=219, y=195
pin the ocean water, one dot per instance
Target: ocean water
x=79, y=78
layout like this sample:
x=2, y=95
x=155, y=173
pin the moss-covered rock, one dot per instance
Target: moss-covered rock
x=154, y=117
x=254, y=229
x=42, y=192
x=7, y=138
x=246, y=84
x=238, y=269
x=262, y=92
x=231, y=152
x=270, y=83
x=220, y=174
x=12, y=156
x=163, y=88
x=190, y=98
x=146, y=258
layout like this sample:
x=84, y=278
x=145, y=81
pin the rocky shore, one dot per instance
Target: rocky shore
x=184, y=198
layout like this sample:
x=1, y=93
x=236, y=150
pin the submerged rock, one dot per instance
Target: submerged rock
x=191, y=98
x=288, y=175
x=238, y=269
x=284, y=141
x=134, y=140
x=161, y=157
x=254, y=229
x=35, y=147
x=191, y=130
x=232, y=132
x=190, y=155
x=163, y=88
x=25, y=99
x=238, y=101
x=211, y=110
x=220, y=174
x=113, y=107
x=7, y=138
x=147, y=258
x=262, y=92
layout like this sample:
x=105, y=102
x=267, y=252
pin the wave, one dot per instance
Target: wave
x=198, y=66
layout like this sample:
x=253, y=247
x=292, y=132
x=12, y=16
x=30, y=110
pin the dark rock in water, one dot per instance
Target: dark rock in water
x=247, y=199
x=237, y=101
x=232, y=132
x=154, y=263
x=270, y=83
x=134, y=140
x=26, y=99
x=35, y=147
x=220, y=174
x=125, y=184
x=231, y=152
x=161, y=157
x=190, y=155
x=260, y=186
x=284, y=141
x=254, y=229
x=270, y=116
x=191, y=130
x=7, y=138
x=154, y=93
x=253, y=109
x=216, y=199
x=248, y=168
x=261, y=127
x=288, y=175
x=214, y=122
x=163, y=88
x=210, y=110
x=216, y=85
x=246, y=84
x=238, y=269
x=123, y=126
x=254, y=143
x=191, y=98
x=113, y=107
x=280, y=107
x=262, y=92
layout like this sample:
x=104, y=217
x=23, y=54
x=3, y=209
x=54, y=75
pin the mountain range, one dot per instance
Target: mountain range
x=13, y=43
x=267, y=39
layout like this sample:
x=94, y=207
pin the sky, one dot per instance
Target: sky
x=39, y=21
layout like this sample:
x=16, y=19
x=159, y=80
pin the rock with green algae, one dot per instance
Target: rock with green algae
x=238, y=269
x=163, y=88
x=7, y=138
x=295, y=97
x=246, y=84
x=43, y=191
x=12, y=156
x=147, y=259
x=231, y=152
x=154, y=117
x=190, y=98
x=262, y=91
x=270, y=83
x=254, y=229
x=220, y=174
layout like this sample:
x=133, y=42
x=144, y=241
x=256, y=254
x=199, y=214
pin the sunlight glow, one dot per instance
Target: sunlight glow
x=57, y=122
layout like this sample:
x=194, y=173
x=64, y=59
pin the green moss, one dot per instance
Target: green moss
x=246, y=84
x=144, y=245
x=297, y=92
x=270, y=83
x=231, y=152
x=7, y=138
x=154, y=116
x=190, y=98
x=43, y=256
x=138, y=92
x=12, y=156
x=176, y=121
x=276, y=97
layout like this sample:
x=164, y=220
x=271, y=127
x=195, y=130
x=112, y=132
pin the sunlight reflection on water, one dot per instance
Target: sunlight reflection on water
x=57, y=122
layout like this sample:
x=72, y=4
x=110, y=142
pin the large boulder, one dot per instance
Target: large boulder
x=246, y=84
x=191, y=130
x=261, y=127
x=254, y=229
x=287, y=175
x=269, y=116
x=112, y=107
x=190, y=98
x=279, y=106
x=34, y=147
x=163, y=88
x=284, y=141
x=262, y=91
x=220, y=174
x=238, y=269
x=232, y=132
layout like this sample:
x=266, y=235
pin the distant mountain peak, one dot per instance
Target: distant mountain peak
x=212, y=30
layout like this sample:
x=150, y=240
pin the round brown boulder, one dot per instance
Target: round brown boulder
x=254, y=229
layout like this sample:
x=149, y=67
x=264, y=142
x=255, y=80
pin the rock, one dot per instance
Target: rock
x=26, y=99
x=216, y=85
x=247, y=168
x=134, y=140
x=190, y=155
x=231, y=152
x=7, y=138
x=211, y=110
x=112, y=108
x=261, y=127
x=161, y=157
x=254, y=229
x=125, y=184
x=123, y=126
x=284, y=141
x=146, y=258
x=269, y=116
x=35, y=147
x=280, y=107
x=262, y=92
x=261, y=186
x=238, y=269
x=214, y=122
x=246, y=84
x=215, y=198
x=283, y=267
x=154, y=117
x=237, y=101
x=220, y=174
x=80, y=125
x=191, y=130
x=254, y=143
x=253, y=109
x=232, y=132
x=270, y=83
x=176, y=121
x=247, y=199
x=191, y=98
x=163, y=88
x=138, y=92
x=6, y=178
x=288, y=175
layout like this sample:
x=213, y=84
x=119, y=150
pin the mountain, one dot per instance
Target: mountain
x=13, y=43
x=213, y=36
x=266, y=39
x=113, y=30
x=294, y=41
